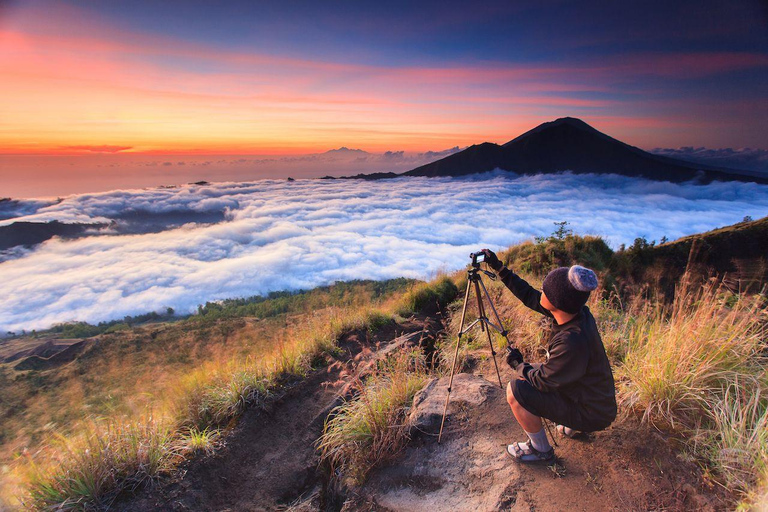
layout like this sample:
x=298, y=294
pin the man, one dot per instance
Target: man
x=574, y=387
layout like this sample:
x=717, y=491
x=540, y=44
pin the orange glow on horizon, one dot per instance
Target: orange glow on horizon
x=71, y=91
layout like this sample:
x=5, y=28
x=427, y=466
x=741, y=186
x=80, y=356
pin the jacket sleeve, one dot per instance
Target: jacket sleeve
x=568, y=358
x=527, y=294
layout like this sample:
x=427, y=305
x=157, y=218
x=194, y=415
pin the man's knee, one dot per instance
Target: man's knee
x=510, y=395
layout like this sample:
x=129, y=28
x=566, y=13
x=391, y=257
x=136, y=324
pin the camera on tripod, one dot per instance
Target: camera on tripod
x=477, y=258
x=475, y=283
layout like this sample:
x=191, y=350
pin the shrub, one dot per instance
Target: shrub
x=541, y=257
x=437, y=293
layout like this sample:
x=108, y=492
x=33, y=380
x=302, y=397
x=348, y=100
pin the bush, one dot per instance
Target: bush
x=437, y=294
x=544, y=255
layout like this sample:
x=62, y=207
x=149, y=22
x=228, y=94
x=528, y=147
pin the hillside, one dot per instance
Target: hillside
x=306, y=401
x=736, y=254
x=569, y=144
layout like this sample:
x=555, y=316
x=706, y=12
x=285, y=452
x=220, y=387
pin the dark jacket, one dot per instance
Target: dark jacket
x=576, y=366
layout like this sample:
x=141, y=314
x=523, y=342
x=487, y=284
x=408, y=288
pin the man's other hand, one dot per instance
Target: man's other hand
x=514, y=357
x=492, y=260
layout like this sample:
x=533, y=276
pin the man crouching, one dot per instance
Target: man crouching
x=574, y=387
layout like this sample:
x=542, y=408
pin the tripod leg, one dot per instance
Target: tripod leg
x=495, y=314
x=455, y=356
x=481, y=311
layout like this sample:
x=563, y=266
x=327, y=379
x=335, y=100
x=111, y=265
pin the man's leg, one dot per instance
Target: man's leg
x=530, y=422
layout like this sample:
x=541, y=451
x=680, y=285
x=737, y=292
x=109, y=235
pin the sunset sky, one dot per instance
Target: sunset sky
x=193, y=77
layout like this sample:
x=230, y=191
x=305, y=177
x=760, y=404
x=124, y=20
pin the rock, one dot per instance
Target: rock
x=427, y=410
x=403, y=342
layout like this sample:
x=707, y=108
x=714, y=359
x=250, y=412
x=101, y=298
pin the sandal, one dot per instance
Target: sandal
x=527, y=454
x=566, y=431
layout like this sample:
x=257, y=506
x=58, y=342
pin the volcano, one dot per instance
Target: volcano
x=570, y=144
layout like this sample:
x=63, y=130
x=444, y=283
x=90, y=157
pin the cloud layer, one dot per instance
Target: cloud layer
x=280, y=235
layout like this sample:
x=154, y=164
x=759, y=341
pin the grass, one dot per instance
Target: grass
x=372, y=428
x=200, y=441
x=89, y=471
x=681, y=362
x=699, y=370
x=116, y=454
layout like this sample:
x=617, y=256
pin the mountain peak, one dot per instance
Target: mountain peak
x=345, y=150
x=570, y=144
x=571, y=122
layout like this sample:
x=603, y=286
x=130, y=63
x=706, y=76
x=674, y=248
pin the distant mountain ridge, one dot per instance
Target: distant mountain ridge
x=570, y=144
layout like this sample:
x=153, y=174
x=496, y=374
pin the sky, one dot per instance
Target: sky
x=197, y=243
x=144, y=78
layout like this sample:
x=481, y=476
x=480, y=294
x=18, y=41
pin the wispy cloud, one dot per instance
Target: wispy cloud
x=289, y=235
x=96, y=149
x=751, y=159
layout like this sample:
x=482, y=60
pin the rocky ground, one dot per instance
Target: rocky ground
x=270, y=462
x=624, y=468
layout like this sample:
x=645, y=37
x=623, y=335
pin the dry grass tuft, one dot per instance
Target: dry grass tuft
x=90, y=470
x=371, y=428
x=200, y=441
x=699, y=369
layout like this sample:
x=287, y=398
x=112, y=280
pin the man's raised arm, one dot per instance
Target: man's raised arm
x=527, y=294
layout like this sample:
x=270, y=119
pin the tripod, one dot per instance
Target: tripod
x=474, y=280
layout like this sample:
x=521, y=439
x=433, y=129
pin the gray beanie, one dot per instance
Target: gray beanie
x=568, y=288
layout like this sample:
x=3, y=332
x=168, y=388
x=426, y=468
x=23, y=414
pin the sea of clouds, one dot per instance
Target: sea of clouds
x=281, y=235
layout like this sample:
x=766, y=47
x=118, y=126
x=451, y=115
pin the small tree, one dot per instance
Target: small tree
x=562, y=232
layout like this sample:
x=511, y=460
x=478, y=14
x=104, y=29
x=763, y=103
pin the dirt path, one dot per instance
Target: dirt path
x=625, y=468
x=269, y=460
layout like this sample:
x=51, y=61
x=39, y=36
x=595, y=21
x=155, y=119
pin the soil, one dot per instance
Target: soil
x=269, y=461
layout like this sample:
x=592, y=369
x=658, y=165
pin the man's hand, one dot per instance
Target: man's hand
x=514, y=357
x=492, y=260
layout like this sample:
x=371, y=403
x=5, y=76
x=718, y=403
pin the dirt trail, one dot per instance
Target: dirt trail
x=269, y=460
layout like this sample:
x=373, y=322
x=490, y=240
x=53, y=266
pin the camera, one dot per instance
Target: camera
x=477, y=258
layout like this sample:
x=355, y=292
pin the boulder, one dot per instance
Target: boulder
x=468, y=390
